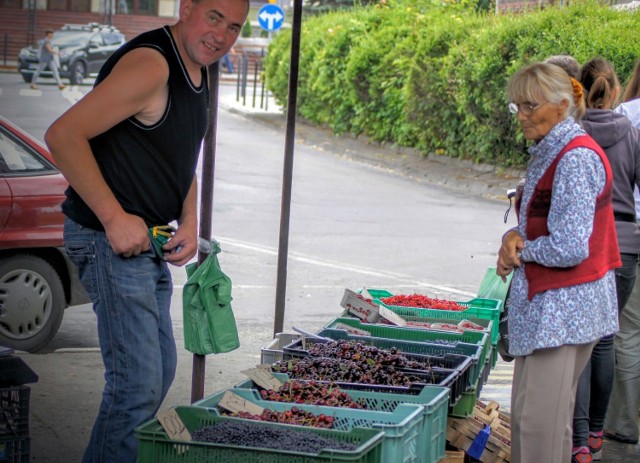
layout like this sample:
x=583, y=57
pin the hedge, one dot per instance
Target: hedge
x=433, y=76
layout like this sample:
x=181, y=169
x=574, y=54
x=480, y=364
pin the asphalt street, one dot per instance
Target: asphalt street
x=363, y=214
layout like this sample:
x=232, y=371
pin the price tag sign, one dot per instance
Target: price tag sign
x=359, y=307
x=173, y=425
x=234, y=403
x=263, y=378
x=392, y=317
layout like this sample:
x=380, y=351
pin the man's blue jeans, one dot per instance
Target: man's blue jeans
x=131, y=299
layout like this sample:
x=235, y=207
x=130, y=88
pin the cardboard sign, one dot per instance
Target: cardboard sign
x=351, y=330
x=263, y=377
x=173, y=425
x=234, y=403
x=392, y=317
x=359, y=307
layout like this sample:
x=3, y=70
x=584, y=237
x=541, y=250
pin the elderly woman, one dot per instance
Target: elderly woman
x=563, y=252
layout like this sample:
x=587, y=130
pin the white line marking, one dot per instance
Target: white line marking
x=342, y=266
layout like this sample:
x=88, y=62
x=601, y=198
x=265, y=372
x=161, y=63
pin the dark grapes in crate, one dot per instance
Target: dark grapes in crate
x=261, y=435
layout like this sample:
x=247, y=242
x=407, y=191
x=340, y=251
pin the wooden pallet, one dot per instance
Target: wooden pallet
x=453, y=456
x=462, y=432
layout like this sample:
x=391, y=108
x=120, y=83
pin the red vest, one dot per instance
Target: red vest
x=603, y=242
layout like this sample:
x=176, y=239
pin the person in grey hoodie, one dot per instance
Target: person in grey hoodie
x=621, y=143
x=621, y=423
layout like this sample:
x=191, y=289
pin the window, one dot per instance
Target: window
x=69, y=5
x=141, y=7
x=16, y=158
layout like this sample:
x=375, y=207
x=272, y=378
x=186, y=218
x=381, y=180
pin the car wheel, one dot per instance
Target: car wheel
x=77, y=73
x=27, y=76
x=32, y=302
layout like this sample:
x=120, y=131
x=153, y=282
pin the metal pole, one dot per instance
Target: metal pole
x=261, y=80
x=238, y=73
x=285, y=208
x=206, y=208
x=245, y=71
x=255, y=83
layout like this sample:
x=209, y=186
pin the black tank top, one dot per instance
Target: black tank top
x=150, y=168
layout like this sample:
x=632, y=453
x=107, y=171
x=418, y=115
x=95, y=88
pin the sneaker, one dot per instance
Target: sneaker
x=595, y=444
x=61, y=86
x=34, y=86
x=582, y=455
x=620, y=437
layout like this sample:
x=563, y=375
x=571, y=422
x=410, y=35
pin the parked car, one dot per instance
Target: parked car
x=83, y=48
x=37, y=281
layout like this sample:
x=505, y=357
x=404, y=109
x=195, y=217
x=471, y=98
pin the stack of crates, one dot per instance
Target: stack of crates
x=14, y=424
x=398, y=424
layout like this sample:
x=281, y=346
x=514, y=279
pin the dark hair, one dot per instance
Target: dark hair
x=632, y=89
x=48, y=31
x=566, y=62
x=599, y=80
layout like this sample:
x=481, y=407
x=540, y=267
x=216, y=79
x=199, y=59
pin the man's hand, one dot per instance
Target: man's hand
x=509, y=254
x=181, y=247
x=128, y=235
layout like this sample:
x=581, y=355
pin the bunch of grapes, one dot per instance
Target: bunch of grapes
x=358, y=351
x=313, y=393
x=340, y=370
x=293, y=416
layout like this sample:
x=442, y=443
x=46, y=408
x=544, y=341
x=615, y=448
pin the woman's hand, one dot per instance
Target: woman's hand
x=509, y=253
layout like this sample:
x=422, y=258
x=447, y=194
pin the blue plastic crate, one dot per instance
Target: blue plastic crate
x=421, y=351
x=434, y=401
x=408, y=333
x=402, y=427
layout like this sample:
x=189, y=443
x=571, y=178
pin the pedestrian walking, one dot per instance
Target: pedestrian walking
x=129, y=150
x=563, y=254
x=621, y=143
x=47, y=58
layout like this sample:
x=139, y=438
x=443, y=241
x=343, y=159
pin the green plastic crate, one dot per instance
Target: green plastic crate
x=155, y=447
x=407, y=333
x=402, y=426
x=434, y=401
x=488, y=309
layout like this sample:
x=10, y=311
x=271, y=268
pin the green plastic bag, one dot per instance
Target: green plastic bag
x=209, y=323
x=492, y=287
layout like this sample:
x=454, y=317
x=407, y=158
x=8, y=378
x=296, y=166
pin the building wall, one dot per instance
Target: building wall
x=19, y=29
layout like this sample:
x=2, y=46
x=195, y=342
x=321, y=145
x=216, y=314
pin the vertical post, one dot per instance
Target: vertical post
x=285, y=208
x=238, y=74
x=245, y=71
x=206, y=208
x=255, y=82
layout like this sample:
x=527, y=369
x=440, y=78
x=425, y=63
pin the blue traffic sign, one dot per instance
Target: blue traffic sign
x=271, y=17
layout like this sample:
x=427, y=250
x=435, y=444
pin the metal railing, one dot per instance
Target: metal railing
x=250, y=81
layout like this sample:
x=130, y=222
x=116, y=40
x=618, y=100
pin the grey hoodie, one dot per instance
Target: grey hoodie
x=621, y=142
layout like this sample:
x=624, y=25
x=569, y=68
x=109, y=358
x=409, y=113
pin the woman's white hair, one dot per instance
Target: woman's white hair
x=544, y=82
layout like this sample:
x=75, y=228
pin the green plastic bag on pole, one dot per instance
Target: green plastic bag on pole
x=209, y=323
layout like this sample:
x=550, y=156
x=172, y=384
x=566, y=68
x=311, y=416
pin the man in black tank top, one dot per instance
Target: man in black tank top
x=129, y=150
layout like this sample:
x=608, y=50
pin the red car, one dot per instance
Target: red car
x=37, y=281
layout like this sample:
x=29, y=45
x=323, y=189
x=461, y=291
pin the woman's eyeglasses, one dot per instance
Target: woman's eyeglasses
x=526, y=109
